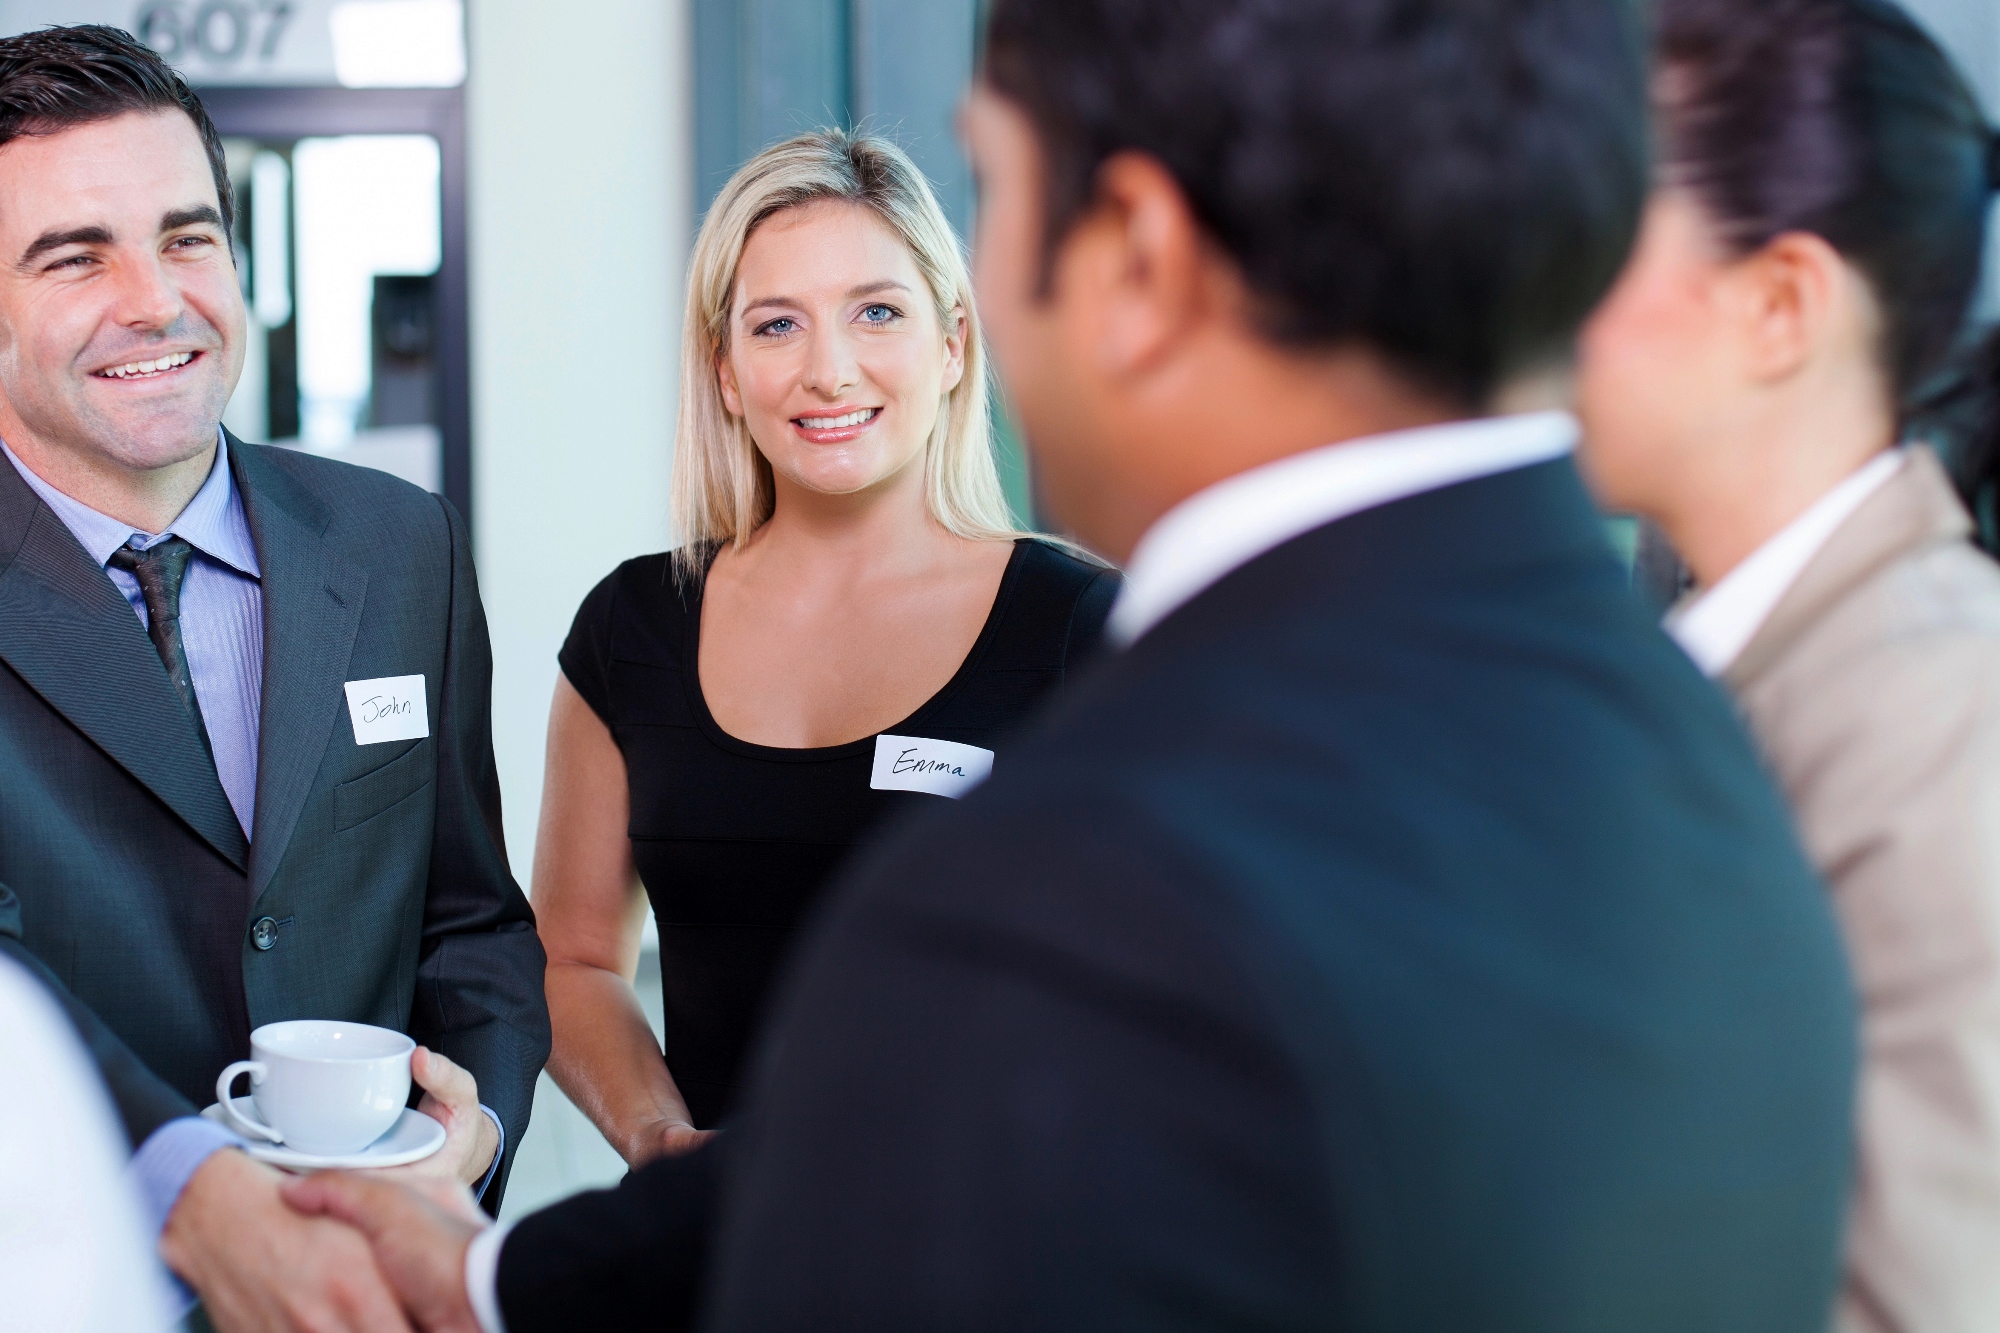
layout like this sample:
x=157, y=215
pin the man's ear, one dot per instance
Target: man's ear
x=1791, y=299
x=1140, y=263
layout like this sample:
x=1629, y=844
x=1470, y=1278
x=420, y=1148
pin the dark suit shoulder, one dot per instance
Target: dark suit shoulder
x=1414, y=862
x=1036, y=1025
x=363, y=504
x=1120, y=884
x=343, y=484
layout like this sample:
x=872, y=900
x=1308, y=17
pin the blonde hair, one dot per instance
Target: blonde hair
x=722, y=486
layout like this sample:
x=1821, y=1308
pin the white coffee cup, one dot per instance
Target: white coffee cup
x=321, y=1087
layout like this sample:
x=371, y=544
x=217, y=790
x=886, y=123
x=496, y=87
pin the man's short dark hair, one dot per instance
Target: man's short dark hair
x=58, y=78
x=1453, y=183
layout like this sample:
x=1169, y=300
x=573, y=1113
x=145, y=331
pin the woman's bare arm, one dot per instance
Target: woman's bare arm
x=591, y=911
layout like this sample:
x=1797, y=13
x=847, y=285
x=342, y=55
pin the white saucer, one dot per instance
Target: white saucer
x=412, y=1138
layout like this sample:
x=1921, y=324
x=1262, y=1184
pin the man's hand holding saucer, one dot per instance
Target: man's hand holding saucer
x=451, y=1097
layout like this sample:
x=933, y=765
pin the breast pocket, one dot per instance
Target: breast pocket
x=367, y=796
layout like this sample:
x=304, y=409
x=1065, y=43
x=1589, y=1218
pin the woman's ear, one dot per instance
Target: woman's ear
x=1793, y=302
x=954, y=348
x=725, y=379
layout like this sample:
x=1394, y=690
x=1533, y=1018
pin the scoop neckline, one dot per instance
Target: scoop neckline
x=698, y=701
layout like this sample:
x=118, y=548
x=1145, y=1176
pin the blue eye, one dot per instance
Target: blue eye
x=880, y=314
x=777, y=326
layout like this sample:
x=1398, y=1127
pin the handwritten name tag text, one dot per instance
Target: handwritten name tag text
x=388, y=708
x=941, y=768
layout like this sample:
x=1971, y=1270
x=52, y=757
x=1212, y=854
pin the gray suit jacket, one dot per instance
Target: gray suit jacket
x=1874, y=690
x=133, y=889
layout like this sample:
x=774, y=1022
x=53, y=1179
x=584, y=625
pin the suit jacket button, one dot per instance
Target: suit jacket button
x=265, y=933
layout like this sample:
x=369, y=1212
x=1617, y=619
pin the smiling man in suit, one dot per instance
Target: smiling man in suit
x=202, y=829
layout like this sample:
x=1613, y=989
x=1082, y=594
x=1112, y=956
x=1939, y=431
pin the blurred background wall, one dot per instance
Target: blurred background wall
x=579, y=135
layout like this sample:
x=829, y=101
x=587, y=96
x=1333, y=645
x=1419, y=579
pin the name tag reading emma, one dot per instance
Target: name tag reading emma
x=942, y=768
x=388, y=708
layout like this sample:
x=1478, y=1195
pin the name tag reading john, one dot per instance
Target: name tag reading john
x=389, y=708
x=942, y=768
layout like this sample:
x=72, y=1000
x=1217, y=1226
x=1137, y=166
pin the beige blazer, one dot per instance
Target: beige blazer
x=1874, y=691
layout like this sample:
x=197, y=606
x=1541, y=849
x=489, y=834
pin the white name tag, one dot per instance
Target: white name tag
x=942, y=768
x=389, y=708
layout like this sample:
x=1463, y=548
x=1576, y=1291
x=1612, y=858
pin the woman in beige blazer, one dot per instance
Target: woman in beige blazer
x=1806, y=269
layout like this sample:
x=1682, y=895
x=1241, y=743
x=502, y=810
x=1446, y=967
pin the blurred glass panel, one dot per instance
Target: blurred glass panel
x=271, y=240
x=366, y=205
x=340, y=242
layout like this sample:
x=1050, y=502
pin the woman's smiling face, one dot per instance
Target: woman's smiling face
x=836, y=360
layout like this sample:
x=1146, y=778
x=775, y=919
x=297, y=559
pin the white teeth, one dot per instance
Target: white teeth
x=835, y=423
x=153, y=367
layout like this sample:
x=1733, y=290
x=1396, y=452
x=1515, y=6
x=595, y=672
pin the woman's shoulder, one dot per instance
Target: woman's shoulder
x=634, y=583
x=644, y=578
x=1918, y=620
x=1062, y=598
x=641, y=598
x=1907, y=657
x=1055, y=568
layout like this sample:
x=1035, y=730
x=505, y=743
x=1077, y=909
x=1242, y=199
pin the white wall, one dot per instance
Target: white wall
x=580, y=178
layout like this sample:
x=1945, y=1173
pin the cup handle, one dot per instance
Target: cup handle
x=256, y=1129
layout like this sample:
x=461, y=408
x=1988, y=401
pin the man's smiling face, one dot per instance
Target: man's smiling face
x=121, y=317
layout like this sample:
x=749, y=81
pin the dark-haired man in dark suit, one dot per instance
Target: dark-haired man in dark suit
x=1398, y=934
x=203, y=826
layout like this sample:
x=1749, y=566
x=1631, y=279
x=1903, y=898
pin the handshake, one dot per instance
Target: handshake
x=342, y=1250
x=419, y=1232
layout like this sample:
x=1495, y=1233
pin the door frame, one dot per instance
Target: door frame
x=298, y=113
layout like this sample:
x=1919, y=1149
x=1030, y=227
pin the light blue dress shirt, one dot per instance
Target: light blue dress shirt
x=222, y=631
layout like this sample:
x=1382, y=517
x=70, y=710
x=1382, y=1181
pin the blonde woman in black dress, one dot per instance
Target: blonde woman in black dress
x=851, y=629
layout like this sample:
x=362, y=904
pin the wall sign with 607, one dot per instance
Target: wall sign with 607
x=222, y=32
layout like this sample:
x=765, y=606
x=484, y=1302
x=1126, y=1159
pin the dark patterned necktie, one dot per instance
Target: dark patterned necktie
x=160, y=572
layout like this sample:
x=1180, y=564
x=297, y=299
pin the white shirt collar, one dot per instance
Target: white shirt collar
x=1218, y=530
x=1718, y=625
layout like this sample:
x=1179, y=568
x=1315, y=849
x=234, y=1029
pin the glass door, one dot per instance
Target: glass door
x=351, y=242
x=340, y=242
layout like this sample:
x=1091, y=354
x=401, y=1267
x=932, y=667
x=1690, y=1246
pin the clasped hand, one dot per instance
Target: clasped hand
x=260, y=1265
x=418, y=1219
x=418, y=1232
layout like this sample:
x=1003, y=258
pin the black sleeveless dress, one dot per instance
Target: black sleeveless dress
x=735, y=841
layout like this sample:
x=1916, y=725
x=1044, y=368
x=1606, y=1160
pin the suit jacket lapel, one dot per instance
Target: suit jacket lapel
x=68, y=632
x=1915, y=508
x=312, y=610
